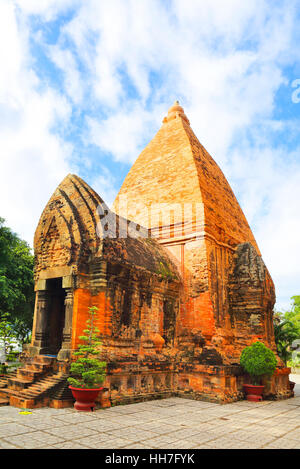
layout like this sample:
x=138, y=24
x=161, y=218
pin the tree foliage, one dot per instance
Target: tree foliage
x=294, y=314
x=7, y=334
x=287, y=329
x=87, y=371
x=16, y=282
x=285, y=334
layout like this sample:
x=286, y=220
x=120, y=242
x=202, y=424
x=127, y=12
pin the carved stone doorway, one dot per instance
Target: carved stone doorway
x=56, y=314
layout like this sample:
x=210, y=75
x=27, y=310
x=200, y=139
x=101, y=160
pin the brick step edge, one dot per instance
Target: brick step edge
x=4, y=402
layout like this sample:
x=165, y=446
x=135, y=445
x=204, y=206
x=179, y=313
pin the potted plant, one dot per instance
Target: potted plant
x=87, y=371
x=257, y=360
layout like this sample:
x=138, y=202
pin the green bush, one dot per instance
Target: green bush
x=12, y=356
x=258, y=360
x=88, y=372
x=3, y=369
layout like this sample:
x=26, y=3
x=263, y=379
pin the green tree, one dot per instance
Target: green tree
x=285, y=334
x=7, y=334
x=294, y=314
x=287, y=329
x=87, y=371
x=16, y=282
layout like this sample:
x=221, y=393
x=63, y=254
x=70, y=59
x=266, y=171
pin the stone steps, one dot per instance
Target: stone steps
x=35, y=384
x=37, y=366
x=3, y=382
x=30, y=375
x=43, y=386
x=31, y=396
x=18, y=383
x=30, y=372
x=4, y=379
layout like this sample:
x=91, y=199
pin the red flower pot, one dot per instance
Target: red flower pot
x=253, y=393
x=85, y=398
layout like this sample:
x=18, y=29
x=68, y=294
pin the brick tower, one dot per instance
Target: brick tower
x=178, y=191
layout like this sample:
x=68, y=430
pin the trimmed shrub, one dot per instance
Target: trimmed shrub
x=258, y=360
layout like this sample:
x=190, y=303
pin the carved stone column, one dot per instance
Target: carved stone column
x=41, y=339
x=65, y=350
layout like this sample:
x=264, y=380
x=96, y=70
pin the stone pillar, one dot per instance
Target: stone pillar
x=40, y=338
x=65, y=351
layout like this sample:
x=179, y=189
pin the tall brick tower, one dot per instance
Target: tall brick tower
x=176, y=189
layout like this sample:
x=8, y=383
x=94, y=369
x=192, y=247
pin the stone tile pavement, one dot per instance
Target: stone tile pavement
x=165, y=424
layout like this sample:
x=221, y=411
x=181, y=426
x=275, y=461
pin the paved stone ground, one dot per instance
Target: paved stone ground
x=165, y=424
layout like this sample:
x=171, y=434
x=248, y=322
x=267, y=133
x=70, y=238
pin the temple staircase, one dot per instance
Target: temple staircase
x=39, y=383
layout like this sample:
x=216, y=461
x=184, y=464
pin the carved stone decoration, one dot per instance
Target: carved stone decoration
x=251, y=295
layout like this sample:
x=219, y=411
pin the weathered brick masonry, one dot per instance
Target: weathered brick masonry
x=179, y=298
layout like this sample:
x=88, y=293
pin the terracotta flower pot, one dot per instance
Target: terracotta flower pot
x=85, y=398
x=253, y=393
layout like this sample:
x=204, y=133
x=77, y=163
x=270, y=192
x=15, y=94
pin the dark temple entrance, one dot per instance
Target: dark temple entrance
x=56, y=314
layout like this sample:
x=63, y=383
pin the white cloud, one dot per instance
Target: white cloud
x=64, y=60
x=104, y=183
x=47, y=9
x=33, y=160
x=123, y=133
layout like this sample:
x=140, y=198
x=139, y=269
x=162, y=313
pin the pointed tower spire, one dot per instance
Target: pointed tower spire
x=174, y=112
x=175, y=168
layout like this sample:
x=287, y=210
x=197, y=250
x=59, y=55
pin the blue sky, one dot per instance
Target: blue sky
x=85, y=84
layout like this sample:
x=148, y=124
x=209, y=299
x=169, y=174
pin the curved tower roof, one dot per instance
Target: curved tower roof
x=76, y=227
x=67, y=230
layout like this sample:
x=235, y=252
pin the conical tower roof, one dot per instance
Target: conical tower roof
x=175, y=169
